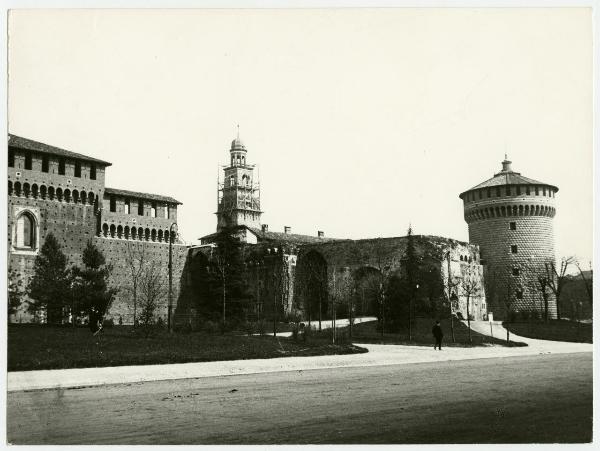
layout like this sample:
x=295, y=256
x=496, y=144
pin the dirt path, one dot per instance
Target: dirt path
x=543, y=398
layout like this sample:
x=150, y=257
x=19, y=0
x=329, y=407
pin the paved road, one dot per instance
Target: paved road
x=542, y=398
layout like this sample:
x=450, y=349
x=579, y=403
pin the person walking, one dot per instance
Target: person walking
x=437, y=334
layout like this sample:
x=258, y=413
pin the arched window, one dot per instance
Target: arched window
x=147, y=234
x=67, y=195
x=231, y=180
x=153, y=235
x=26, y=189
x=51, y=193
x=75, y=196
x=83, y=197
x=59, y=194
x=113, y=230
x=126, y=232
x=105, y=229
x=10, y=188
x=91, y=198
x=25, y=233
x=140, y=233
x=133, y=233
x=18, y=189
x=34, y=191
x=120, y=232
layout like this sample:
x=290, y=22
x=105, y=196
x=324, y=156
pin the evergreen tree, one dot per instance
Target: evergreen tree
x=227, y=289
x=50, y=286
x=15, y=292
x=92, y=294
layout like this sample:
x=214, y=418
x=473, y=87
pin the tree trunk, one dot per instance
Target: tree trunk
x=452, y=326
x=469, y=319
x=224, y=304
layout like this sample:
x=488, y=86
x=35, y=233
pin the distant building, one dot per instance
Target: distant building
x=52, y=190
x=510, y=217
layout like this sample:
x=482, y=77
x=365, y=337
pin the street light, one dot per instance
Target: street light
x=169, y=325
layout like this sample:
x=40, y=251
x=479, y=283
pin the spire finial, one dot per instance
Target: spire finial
x=238, y=131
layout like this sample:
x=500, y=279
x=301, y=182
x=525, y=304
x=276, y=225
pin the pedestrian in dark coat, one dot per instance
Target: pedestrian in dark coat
x=437, y=334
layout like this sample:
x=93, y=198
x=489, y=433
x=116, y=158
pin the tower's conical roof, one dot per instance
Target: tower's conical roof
x=507, y=177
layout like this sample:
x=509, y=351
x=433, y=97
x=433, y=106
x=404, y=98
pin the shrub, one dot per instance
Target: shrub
x=108, y=323
x=249, y=327
x=211, y=327
x=261, y=327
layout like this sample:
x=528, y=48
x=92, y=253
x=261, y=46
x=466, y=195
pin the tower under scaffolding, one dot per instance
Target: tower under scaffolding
x=238, y=192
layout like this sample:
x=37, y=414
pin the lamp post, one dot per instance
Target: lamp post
x=170, y=307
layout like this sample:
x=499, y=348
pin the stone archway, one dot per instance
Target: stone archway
x=312, y=286
x=366, y=291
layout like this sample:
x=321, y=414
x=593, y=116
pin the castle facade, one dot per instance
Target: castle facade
x=53, y=190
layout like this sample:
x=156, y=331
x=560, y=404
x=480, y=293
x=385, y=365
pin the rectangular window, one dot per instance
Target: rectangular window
x=544, y=190
x=489, y=192
x=527, y=190
x=481, y=194
x=28, y=160
x=45, y=163
x=513, y=226
x=537, y=191
x=113, y=204
x=166, y=212
x=153, y=210
x=140, y=207
x=519, y=294
x=61, y=166
x=515, y=271
x=507, y=190
x=11, y=158
x=127, y=206
x=498, y=191
x=93, y=172
x=513, y=249
x=518, y=190
x=77, y=169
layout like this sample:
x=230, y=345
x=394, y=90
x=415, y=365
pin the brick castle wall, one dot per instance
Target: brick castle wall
x=511, y=277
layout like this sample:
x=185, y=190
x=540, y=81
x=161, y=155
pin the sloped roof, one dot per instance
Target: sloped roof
x=281, y=237
x=507, y=177
x=126, y=193
x=289, y=237
x=29, y=144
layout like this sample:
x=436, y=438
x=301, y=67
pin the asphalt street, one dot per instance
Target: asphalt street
x=525, y=399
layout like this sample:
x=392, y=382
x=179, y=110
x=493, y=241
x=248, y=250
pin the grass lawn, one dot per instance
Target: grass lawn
x=559, y=330
x=368, y=333
x=35, y=347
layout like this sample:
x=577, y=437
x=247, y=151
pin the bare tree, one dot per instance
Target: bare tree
x=470, y=287
x=587, y=282
x=152, y=293
x=557, y=278
x=135, y=261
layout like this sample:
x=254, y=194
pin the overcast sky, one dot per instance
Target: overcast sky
x=362, y=121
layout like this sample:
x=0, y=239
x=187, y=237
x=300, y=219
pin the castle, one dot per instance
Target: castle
x=303, y=275
x=510, y=218
x=52, y=190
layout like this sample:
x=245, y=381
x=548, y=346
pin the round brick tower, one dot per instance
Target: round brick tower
x=510, y=218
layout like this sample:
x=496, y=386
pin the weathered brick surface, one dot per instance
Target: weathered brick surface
x=70, y=208
x=489, y=220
